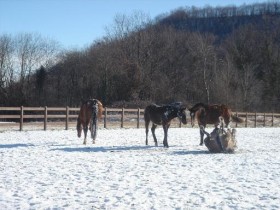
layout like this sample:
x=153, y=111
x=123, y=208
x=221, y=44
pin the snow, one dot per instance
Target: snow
x=53, y=170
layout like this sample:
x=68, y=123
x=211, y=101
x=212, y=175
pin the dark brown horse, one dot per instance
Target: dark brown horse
x=90, y=111
x=209, y=114
x=162, y=115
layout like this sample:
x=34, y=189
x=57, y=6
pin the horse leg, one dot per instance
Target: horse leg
x=165, y=129
x=218, y=140
x=154, y=135
x=93, y=130
x=85, y=133
x=147, y=122
x=228, y=122
x=202, y=132
x=94, y=124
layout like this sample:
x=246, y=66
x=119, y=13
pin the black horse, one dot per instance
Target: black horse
x=162, y=115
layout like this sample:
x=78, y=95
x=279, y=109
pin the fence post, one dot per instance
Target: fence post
x=45, y=118
x=263, y=119
x=255, y=119
x=138, y=118
x=105, y=118
x=246, y=120
x=67, y=118
x=272, y=121
x=21, y=118
x=122, y=118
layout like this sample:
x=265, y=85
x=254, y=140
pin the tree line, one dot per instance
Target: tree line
x=141, y=61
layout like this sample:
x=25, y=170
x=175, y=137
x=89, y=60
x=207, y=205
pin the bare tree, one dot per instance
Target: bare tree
x=125, y=25
x=203, y=51
x=6, y=65
x=31, y=52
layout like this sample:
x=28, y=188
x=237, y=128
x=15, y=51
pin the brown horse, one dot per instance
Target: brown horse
x=209, y=114
x=162, y=115
x=90, y=111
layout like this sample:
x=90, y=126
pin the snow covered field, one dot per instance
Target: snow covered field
x=53, y=170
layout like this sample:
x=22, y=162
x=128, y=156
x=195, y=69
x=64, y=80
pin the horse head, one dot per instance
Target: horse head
x=193, y=111
x=181, y=114
x=192, y=114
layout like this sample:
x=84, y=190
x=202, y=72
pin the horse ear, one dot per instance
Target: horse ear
x=94, y=101
x=189, y=107
x=183, y=108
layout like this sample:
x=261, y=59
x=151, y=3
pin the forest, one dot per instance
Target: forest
x=228, y=55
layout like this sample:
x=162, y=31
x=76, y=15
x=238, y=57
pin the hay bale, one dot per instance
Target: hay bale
x=220, y=140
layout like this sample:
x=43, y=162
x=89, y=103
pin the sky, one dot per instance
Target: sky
x=78, y=23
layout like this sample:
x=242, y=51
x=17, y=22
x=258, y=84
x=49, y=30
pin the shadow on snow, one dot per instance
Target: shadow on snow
x=101, y=149
x=10, y=146
x=129, y=148
x=190, y=152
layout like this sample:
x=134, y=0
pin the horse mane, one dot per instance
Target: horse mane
x=175, y=104
x=208, y=106
x=100, y=109
x=197, y=106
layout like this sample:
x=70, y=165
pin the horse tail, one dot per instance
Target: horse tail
x=79, y=120
x=96, y=109
x=147, y=119
x=147, y=114
x=236, y=119
x=78, y=127
x=197, y=106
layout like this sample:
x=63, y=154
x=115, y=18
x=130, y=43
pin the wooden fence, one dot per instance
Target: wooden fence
x=53, y=117
x=64, y=116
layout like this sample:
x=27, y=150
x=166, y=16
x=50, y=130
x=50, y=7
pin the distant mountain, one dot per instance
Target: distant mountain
x=221, y=21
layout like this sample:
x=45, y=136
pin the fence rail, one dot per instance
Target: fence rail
x=53, y=117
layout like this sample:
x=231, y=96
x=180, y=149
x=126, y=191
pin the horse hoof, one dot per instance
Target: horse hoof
x=93, y=142
x=201, y=144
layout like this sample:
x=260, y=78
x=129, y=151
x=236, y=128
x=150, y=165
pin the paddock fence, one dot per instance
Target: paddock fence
x=34, y=118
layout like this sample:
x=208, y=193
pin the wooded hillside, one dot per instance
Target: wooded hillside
x=225, y=55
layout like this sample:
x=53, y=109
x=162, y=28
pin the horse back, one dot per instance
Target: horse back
x=210, y=114
x=85, y=113
x=153, y=113
x=213, y=112
x=156, y=114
